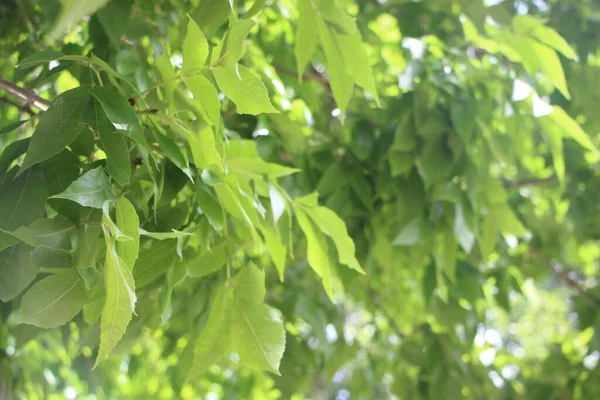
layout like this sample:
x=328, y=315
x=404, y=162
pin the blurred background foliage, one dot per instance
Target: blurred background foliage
x=471, y=192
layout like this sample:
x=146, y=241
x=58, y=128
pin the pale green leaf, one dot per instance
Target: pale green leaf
x=203, y=145
x=334, y=227
x=91, y=189
x=235, y=43
x=207, y=95
x=258, y=336
x=247, y=91
x=214, y=340
x=195, y=48
x=54, y=300
x=128, y=223
x=570, y=127
x=530, y=26
x=249, y=284
x=119, y=303
x=174, y=234
x=209, y=204
x=307, y=36
x=276, y=248
x=316, y=251
x=167, y=75
x=87, y=246
x=209, y=261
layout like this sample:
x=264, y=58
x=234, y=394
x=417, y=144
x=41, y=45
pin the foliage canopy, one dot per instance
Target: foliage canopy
x=299, y=199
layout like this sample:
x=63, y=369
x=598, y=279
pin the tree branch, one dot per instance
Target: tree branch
x=24, y=94
x=529, y=182
x=24, y=108
x=563, y=275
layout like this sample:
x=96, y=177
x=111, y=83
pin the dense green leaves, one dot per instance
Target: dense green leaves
x=54, y=300
x=196, y=196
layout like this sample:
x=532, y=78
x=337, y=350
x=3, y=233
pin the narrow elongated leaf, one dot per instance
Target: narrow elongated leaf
x=11, y=127
x=92, y=189
x=10, y=153
x=54, y=300
x=235, y=43
x=195, y=48
x=22, y=199
x=316, y=251
x=16, y=271
x=53, y=233
x=276, y=248
x=58, y=127
x=204, y=149
x=113, y=142
x=207, y=95
x=88, y=245
x=209, y=205
x=167, y=75
x=120, y=300
x=334, y=227
x=307, y=35
x=246, y=91
x=165, y=235
x=72, y=12
x=570, y=127
x=214, y=340
x=128, y=223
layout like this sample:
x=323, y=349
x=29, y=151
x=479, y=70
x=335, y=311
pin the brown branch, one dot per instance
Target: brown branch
x=24, y=94
x=563, y=275
x=529, y=182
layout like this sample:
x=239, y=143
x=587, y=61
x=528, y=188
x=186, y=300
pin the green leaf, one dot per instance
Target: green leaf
x=209, y=204
x=122, y=115
x=195, y=48
x=209, y=261
x=307, y=36
x=54, y=300
x=173, y=152
x=554, y=135
x=165, y=235
x=154, y=261
x=12, y=126
x=53, y=233
x=74, y=11
x=276, y=248
x=203, y=146
x=10, y=153
x=411, y=234
x=340, y=80
x=334, y=227
x=211, y=15
x=16, y=271
x=570, y=127
x=113, y=142
x=207, y=95
x=88, y=245
x=234, y=45
x=58, y=127
x=22, y=199
x=60, y=171
x=120, y=300
x=114, y=19
x=535, y=28
x=462, y=230
x=214, y=340
x=258, y=335
x=128, y=223
x=463, y=113
x=255, y=9
x=167, y=75
x=257, y=330
x=40, y=57
x=246, y=91
x=46, y=257
x=92, y=189
x=316, y=251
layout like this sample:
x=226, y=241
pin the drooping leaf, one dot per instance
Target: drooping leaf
x=88, y=245
x=128, y=223
x=22, y=199
x=54, y=300
x=113, y=142
x=58, y=127
x=207, y=95
x=246, y=91
x=204, y=149
x=195, y=48
x=53, y=233
x=120, y=300
x=209, y=205
x=307, y=36
x=235, y=43
x=17, y=270
x=167, y=75
x=92, y=189
x=73, y=11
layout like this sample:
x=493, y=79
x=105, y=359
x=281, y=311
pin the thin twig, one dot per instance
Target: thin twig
x=563, y=275
x=529, y=182
x=24, y=94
